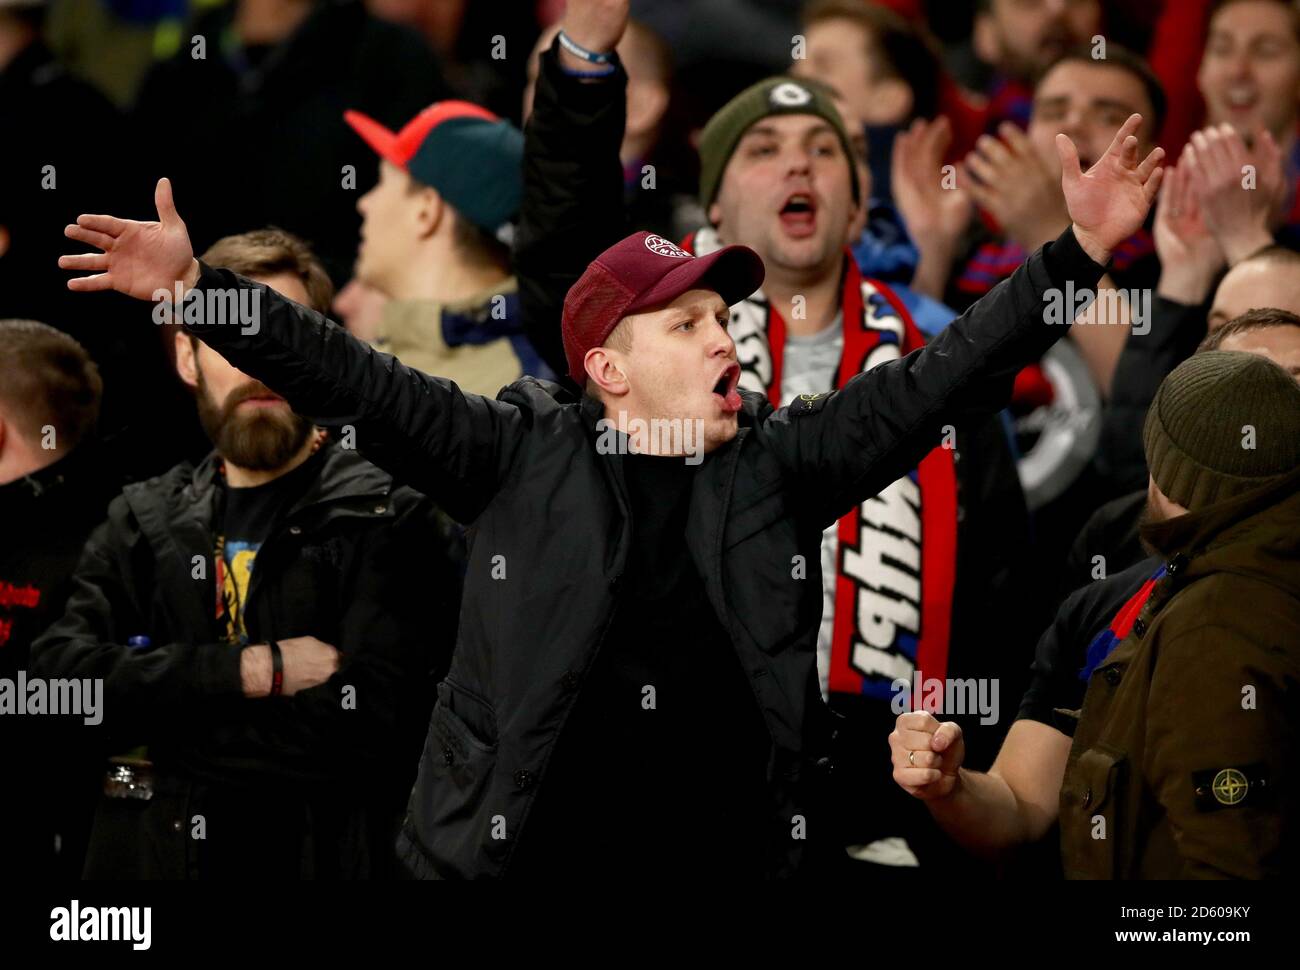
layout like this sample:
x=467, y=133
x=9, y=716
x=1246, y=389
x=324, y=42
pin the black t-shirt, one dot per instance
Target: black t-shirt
x=1063, y=648
x=661, y=767
x=249, y=515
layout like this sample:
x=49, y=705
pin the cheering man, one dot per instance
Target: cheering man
x=634, y=691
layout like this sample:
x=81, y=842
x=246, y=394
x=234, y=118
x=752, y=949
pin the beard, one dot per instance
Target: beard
x=259, y=440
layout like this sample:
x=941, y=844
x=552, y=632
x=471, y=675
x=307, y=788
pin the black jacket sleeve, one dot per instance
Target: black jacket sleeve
x=1146, y=360
x=572, y=208
x=453, y=446
x=107, y=606
x=850, y=444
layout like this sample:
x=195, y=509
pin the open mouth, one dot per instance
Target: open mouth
x=725, y=386
x=1240, y=99
x=799, y=214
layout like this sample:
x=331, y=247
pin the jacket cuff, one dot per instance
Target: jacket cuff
x=209, y=279
x=218, y=673
x=1066, y=262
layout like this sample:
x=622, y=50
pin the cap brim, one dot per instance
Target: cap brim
x=733, y=272
x=383, y=141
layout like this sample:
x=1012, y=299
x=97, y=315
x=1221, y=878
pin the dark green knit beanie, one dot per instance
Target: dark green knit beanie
x=774, y=96
x=1221, y=424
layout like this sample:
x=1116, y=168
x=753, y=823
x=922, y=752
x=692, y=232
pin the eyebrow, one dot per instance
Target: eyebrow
x=1061, y=99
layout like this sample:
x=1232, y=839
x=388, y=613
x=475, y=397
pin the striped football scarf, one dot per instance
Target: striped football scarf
x=896, y=562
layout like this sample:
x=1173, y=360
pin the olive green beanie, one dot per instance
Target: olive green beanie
x=774, y=96
x=1221, y=424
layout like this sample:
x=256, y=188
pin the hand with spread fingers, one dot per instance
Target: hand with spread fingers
x=932, y=208
x=927, y=754
x=934, y=205
x=1190, y=256
x=1012, y=185
x=1239, y=191
x=1109, y=202
x=137, y=258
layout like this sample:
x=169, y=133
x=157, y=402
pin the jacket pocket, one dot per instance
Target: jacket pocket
x=455, y=777
x=1091, y=802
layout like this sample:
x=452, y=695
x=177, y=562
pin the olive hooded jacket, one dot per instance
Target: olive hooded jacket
x=1184, y=760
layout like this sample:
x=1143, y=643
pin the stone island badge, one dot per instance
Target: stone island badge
x=1221, y=788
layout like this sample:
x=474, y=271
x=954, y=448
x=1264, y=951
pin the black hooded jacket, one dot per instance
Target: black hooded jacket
x=369, y=568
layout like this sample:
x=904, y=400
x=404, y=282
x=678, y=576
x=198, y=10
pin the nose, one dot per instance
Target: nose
x=362, y=203
x=722, y=345
x=798, y=161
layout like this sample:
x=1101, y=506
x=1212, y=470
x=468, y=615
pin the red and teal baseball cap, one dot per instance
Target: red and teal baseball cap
x=472, y=157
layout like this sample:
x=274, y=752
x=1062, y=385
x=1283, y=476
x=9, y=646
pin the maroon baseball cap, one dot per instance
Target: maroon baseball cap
x=643, y=271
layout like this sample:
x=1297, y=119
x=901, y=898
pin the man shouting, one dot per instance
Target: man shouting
x=634, y=690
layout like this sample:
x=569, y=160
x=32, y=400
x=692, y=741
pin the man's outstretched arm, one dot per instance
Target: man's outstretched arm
x=453, y=446
x=884, y=421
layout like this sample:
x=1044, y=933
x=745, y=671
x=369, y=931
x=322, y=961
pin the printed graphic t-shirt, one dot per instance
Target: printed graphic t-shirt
x=250, y=514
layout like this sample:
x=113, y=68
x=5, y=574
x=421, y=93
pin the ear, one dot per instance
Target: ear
x=891, y=102
x=604, y=371
x=187, y=364
x=429, y=211
x=984, y=39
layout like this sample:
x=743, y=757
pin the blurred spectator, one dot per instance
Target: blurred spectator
x=274, y=77
x=1250, y=79
x=1270, y=278
x=261, y=760
x=880, y=64
x=448, y=189
x=1019, y=40
x=53, y=492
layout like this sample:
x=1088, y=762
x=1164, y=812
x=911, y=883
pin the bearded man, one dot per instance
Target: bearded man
x=268, y=627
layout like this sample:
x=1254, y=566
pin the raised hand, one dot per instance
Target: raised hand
x=597, y=25
x=932, y=212
x=137, y=258
x=1014, y=186
x=1238, y=208
x=1109, y=202
x=1189, y=254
